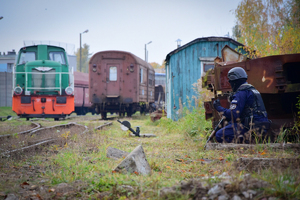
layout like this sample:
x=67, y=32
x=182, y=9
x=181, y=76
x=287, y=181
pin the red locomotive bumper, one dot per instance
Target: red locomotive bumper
x=43, y=106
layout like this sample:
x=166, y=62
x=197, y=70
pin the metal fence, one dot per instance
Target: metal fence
x=5, y=89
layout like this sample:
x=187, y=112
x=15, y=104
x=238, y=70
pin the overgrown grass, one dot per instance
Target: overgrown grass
x=14, y=126
x=285, y=184
x=193, y=124
x=6, y=111
x=176, y=154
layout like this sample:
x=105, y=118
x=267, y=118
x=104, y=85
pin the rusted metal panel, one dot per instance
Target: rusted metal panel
x=143, y=93
x=270, y=75
x=229, y=54
x=81, y=89
x=275, y=77
x=78, y=92
x=115, y=78
x=81, y=79
x=87, y=102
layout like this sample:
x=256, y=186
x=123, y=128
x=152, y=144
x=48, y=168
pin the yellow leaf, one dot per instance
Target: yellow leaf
x=263, y=153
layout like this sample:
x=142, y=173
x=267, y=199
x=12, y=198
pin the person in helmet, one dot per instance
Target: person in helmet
x=247, y=110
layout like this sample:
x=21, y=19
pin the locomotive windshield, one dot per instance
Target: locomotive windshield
x=27, y=56
x=58, y=57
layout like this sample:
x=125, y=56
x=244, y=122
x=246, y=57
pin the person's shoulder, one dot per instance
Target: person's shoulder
x=245, y=86
x=241, y=93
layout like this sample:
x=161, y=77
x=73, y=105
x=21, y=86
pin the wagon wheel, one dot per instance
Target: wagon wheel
x=129, y=113
x=103, y=115
x=143, y=110
x=83, y=111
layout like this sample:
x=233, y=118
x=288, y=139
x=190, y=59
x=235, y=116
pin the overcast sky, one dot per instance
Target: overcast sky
x=115, y=24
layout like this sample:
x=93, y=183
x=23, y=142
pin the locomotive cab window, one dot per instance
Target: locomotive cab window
x=58, y=57
x=27, y=56
x=113, y=73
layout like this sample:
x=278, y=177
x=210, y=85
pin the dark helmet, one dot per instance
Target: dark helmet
x=237, y=73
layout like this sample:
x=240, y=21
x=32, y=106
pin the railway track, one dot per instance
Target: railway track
x=38, y=138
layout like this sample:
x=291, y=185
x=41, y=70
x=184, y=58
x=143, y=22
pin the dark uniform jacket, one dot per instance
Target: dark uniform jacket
x=245, y=103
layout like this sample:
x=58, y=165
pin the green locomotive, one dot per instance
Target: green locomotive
x=43, y=83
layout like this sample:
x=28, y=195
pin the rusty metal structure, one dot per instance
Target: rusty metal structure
x=81, y=92
x=277, y=78
x=120, y=82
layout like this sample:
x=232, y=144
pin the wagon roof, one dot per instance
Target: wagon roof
x=81, y=78
x=137, y=59
x=203, y=39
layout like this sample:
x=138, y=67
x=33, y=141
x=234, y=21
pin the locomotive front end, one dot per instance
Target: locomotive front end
x=43, y=84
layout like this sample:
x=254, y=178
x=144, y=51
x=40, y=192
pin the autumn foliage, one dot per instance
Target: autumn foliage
x=270, y=27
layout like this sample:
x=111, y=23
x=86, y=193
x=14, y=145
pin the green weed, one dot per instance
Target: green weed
x=6, y=111
x=174, y=155
x=284, y=185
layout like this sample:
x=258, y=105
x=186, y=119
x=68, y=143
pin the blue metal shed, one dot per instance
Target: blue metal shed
x=185, y=65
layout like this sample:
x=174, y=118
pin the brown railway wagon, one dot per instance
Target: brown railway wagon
x=277, y=78
x=120, y=82
x=81, y=92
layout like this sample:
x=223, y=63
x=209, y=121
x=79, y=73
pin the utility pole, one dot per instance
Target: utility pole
x=146, y=53
x=81, y=48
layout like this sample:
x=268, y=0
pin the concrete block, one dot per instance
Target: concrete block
x=135, y=162
x=115, y=153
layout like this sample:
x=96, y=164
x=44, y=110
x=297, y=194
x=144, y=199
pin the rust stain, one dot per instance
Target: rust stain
x=267, y=79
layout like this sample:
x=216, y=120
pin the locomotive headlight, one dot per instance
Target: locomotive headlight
x=18, y=90
x=69, y=90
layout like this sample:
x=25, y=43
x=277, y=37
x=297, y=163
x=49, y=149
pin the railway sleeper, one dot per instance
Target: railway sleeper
x=27, y=149
x=39, y=144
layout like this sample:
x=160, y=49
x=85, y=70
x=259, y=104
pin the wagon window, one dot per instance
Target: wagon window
x=27, y=57
x=141, y=75
x=58, y=57
x=151, y=81
x=113, y=73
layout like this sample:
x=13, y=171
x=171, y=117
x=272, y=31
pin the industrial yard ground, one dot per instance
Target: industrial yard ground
x=180, y=167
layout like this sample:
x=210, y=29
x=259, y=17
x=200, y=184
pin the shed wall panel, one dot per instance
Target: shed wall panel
x=184, y=69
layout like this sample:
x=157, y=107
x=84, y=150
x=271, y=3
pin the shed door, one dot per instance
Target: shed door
x=112, y=80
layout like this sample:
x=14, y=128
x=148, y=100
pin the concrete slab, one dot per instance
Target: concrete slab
x=115, y=153
x=135, y=162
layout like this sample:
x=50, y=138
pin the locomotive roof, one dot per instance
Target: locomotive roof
x=40, y=45
x=137, y=59
x=203, y=39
